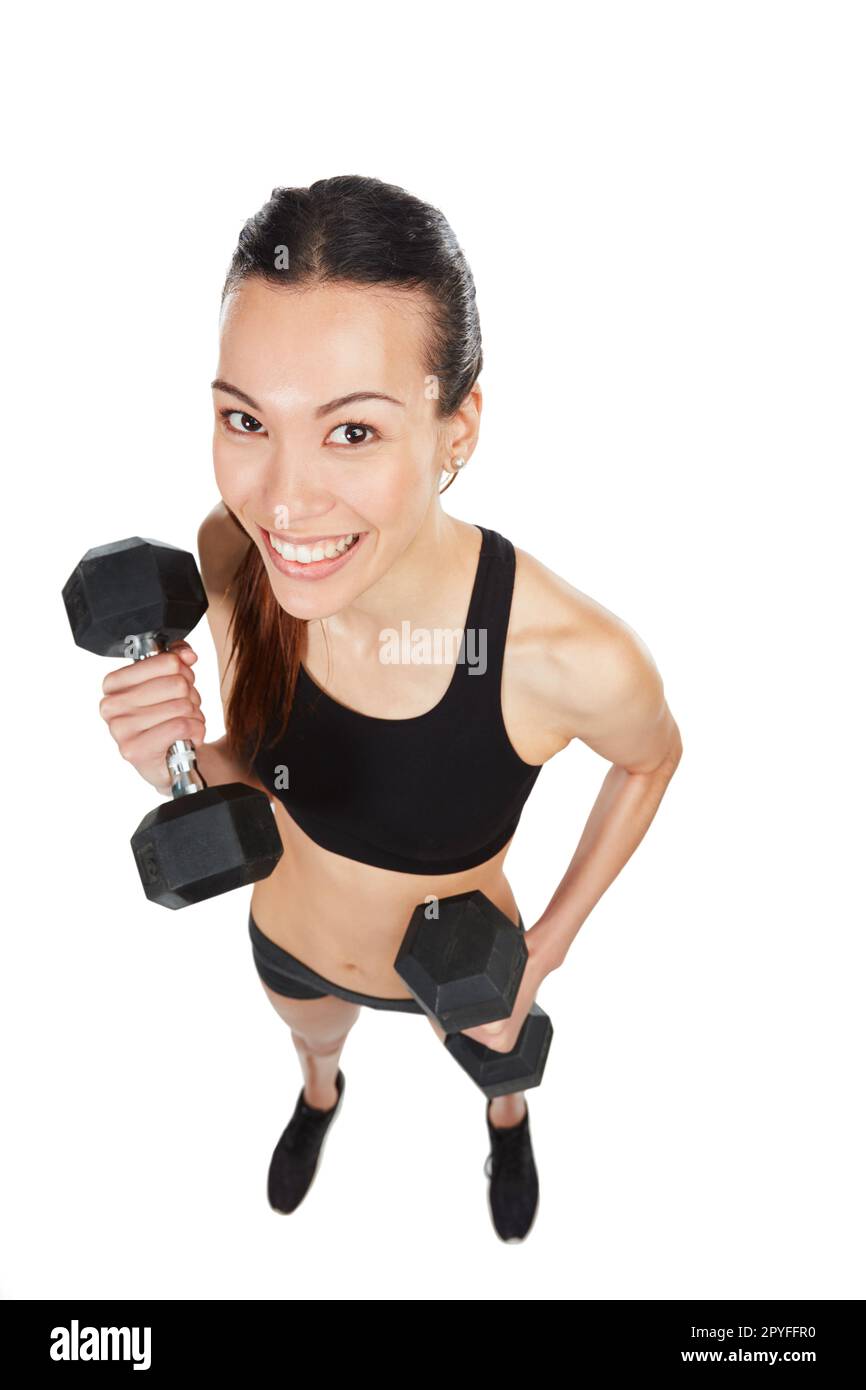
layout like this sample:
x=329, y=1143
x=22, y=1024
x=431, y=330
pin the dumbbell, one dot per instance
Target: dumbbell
x=134, y=598
x=464, y=968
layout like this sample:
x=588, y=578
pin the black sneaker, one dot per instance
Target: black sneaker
x=512, y=1194
x=296, y=1158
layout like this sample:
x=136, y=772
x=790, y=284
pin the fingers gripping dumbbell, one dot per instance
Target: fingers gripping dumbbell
x=134, y=598
x=464, y=968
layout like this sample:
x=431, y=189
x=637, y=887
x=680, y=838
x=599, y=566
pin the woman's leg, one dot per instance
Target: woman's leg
x=319, y=1029
x=506, y=1111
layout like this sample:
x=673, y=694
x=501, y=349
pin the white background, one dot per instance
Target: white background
x=663, y=207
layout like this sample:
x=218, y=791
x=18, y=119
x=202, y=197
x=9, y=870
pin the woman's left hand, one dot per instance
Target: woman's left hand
x=502, y=1035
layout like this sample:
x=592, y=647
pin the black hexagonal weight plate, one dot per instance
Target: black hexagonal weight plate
x=501, y=1073
x=206, y=843
x=464, y=968
x=131, y=587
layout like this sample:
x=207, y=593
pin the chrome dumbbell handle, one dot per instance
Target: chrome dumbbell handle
x=180, y=758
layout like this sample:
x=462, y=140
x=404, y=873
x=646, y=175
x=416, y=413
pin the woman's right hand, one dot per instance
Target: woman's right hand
x=150, y=704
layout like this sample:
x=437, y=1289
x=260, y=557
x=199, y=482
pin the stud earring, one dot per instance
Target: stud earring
x=456, y=465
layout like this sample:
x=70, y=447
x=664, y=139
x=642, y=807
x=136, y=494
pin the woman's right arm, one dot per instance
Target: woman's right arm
x=152, y=703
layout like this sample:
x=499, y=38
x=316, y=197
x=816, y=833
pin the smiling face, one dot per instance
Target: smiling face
x=294, y=459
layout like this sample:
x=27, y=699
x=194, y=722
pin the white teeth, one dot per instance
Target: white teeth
x=307, y=555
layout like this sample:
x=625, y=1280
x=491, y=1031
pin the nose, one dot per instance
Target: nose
x=295, y=492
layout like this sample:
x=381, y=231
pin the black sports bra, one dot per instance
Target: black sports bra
x=437, y=793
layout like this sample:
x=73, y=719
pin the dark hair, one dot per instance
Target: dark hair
x=355, y=231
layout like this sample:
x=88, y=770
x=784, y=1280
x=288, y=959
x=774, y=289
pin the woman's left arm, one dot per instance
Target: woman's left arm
x=618, y=709
x=596, y=682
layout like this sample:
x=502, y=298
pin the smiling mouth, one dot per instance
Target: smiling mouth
x=316, y=551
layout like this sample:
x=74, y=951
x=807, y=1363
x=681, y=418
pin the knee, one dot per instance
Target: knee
x=322, y=1037
x=320, y=1044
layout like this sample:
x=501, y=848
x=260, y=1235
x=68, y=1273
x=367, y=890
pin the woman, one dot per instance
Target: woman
x=347, y=389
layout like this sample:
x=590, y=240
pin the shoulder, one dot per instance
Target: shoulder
x=222, y=544
x=551, y=615
x=585, y=670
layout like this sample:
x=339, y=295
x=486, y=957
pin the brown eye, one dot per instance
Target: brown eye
x=351, y=428
x=246, y=422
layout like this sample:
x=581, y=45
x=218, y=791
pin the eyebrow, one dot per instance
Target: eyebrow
x=326, y=409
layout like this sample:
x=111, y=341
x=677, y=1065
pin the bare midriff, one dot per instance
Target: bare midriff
x=345, y=919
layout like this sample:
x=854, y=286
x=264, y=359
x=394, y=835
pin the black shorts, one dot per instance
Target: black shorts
x=287, y=975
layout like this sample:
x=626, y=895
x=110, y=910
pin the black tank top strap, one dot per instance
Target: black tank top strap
x=483, y=646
